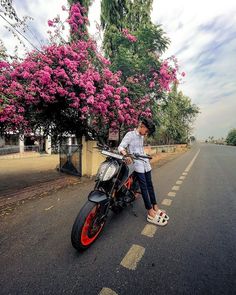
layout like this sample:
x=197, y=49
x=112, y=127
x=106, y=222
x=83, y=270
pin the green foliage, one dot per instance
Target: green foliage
x=139, y=14
x=152, y=38
x=113, y=19
x=135, y=16
x=176, y=114
x=3, y=51
x=135, y=59
x=113, y=12
x=231, y=137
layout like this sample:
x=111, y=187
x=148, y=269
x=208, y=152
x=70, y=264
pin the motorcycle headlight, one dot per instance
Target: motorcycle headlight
x=107, y=170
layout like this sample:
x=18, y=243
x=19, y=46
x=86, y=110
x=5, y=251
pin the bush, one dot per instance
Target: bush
x=231, y=137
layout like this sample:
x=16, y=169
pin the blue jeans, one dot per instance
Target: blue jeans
x=147, y=190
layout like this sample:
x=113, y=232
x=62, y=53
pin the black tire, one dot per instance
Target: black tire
x=85, y=230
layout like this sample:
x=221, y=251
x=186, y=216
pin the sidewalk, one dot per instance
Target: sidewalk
x=27, y=178
x=23, y=178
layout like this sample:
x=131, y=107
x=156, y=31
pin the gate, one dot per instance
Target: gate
x=71, y=159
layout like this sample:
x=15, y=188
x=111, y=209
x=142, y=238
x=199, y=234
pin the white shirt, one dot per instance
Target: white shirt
x=133, y=142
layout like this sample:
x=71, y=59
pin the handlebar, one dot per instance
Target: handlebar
x=107, y=151
x=137, y=156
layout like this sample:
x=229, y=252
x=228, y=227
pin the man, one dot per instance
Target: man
x=133, y=143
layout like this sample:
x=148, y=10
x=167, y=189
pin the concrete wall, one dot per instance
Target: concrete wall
x=91, y=158
x=152, y=150
x=2, y=141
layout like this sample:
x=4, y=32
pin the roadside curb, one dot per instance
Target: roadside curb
x=17, y=197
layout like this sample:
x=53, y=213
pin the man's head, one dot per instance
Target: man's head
x=146, y=126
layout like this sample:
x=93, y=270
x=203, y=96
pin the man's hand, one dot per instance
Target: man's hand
x=128, y=160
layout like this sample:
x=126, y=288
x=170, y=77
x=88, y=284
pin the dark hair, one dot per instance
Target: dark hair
x=148, y=124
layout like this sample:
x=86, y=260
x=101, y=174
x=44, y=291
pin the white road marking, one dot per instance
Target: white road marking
x=107, y=291
x=191, y=163
x=185, y=173
x=49, y=208
x=182, y=177
x=175, y=188
x=166, y=202
x=149, y=230
x=171, y=194
x=179, y=182
x=133, y=256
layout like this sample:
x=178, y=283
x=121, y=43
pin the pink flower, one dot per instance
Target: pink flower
x=3, y=64
x=124, y=89
x=84, y=109
x=91, y=99
x=107, y=73
x=128, y=36
x=114, y=124
x=50, y=23
x=121, y=118
x=117, y=103
x=151, y=84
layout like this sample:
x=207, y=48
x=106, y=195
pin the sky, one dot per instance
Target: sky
x=203, y=38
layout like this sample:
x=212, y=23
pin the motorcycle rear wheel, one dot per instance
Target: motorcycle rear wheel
x=87, y=226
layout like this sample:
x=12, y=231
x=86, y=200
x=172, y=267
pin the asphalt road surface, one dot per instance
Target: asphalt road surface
x=193, y=254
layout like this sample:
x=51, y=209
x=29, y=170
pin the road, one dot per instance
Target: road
x=193, y=254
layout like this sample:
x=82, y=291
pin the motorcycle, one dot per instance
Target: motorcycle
x=115, y=188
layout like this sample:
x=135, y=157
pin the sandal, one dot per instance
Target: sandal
x=163, y=214
x=157, y=220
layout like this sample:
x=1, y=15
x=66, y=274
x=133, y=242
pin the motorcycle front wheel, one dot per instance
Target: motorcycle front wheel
x=87, y=226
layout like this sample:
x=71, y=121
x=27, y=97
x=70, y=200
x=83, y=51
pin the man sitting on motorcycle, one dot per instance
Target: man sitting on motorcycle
x=133, y=143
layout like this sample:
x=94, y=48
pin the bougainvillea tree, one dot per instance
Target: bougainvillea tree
x=65, y=87
x=135, y=45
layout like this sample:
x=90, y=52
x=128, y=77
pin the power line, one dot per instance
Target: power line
x=20, y=33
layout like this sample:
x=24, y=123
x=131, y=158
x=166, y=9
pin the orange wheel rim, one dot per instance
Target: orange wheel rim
x=87, y=235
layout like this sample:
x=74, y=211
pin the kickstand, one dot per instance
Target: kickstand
x=133, y=211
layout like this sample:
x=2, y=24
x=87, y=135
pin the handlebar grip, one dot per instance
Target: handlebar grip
x=143, y=156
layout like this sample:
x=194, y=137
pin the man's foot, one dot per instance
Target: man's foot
x=161, y=212
x=152, y=213
x=157, y=220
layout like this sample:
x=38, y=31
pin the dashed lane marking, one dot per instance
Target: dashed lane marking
x=136, y=252
x=166, y=202
x=133, y=256
x=107, y=291
x=191, y=163
x=179, y=182
x=48, y=208
x=175, y=188
x=149, y=230
x=171, y=194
